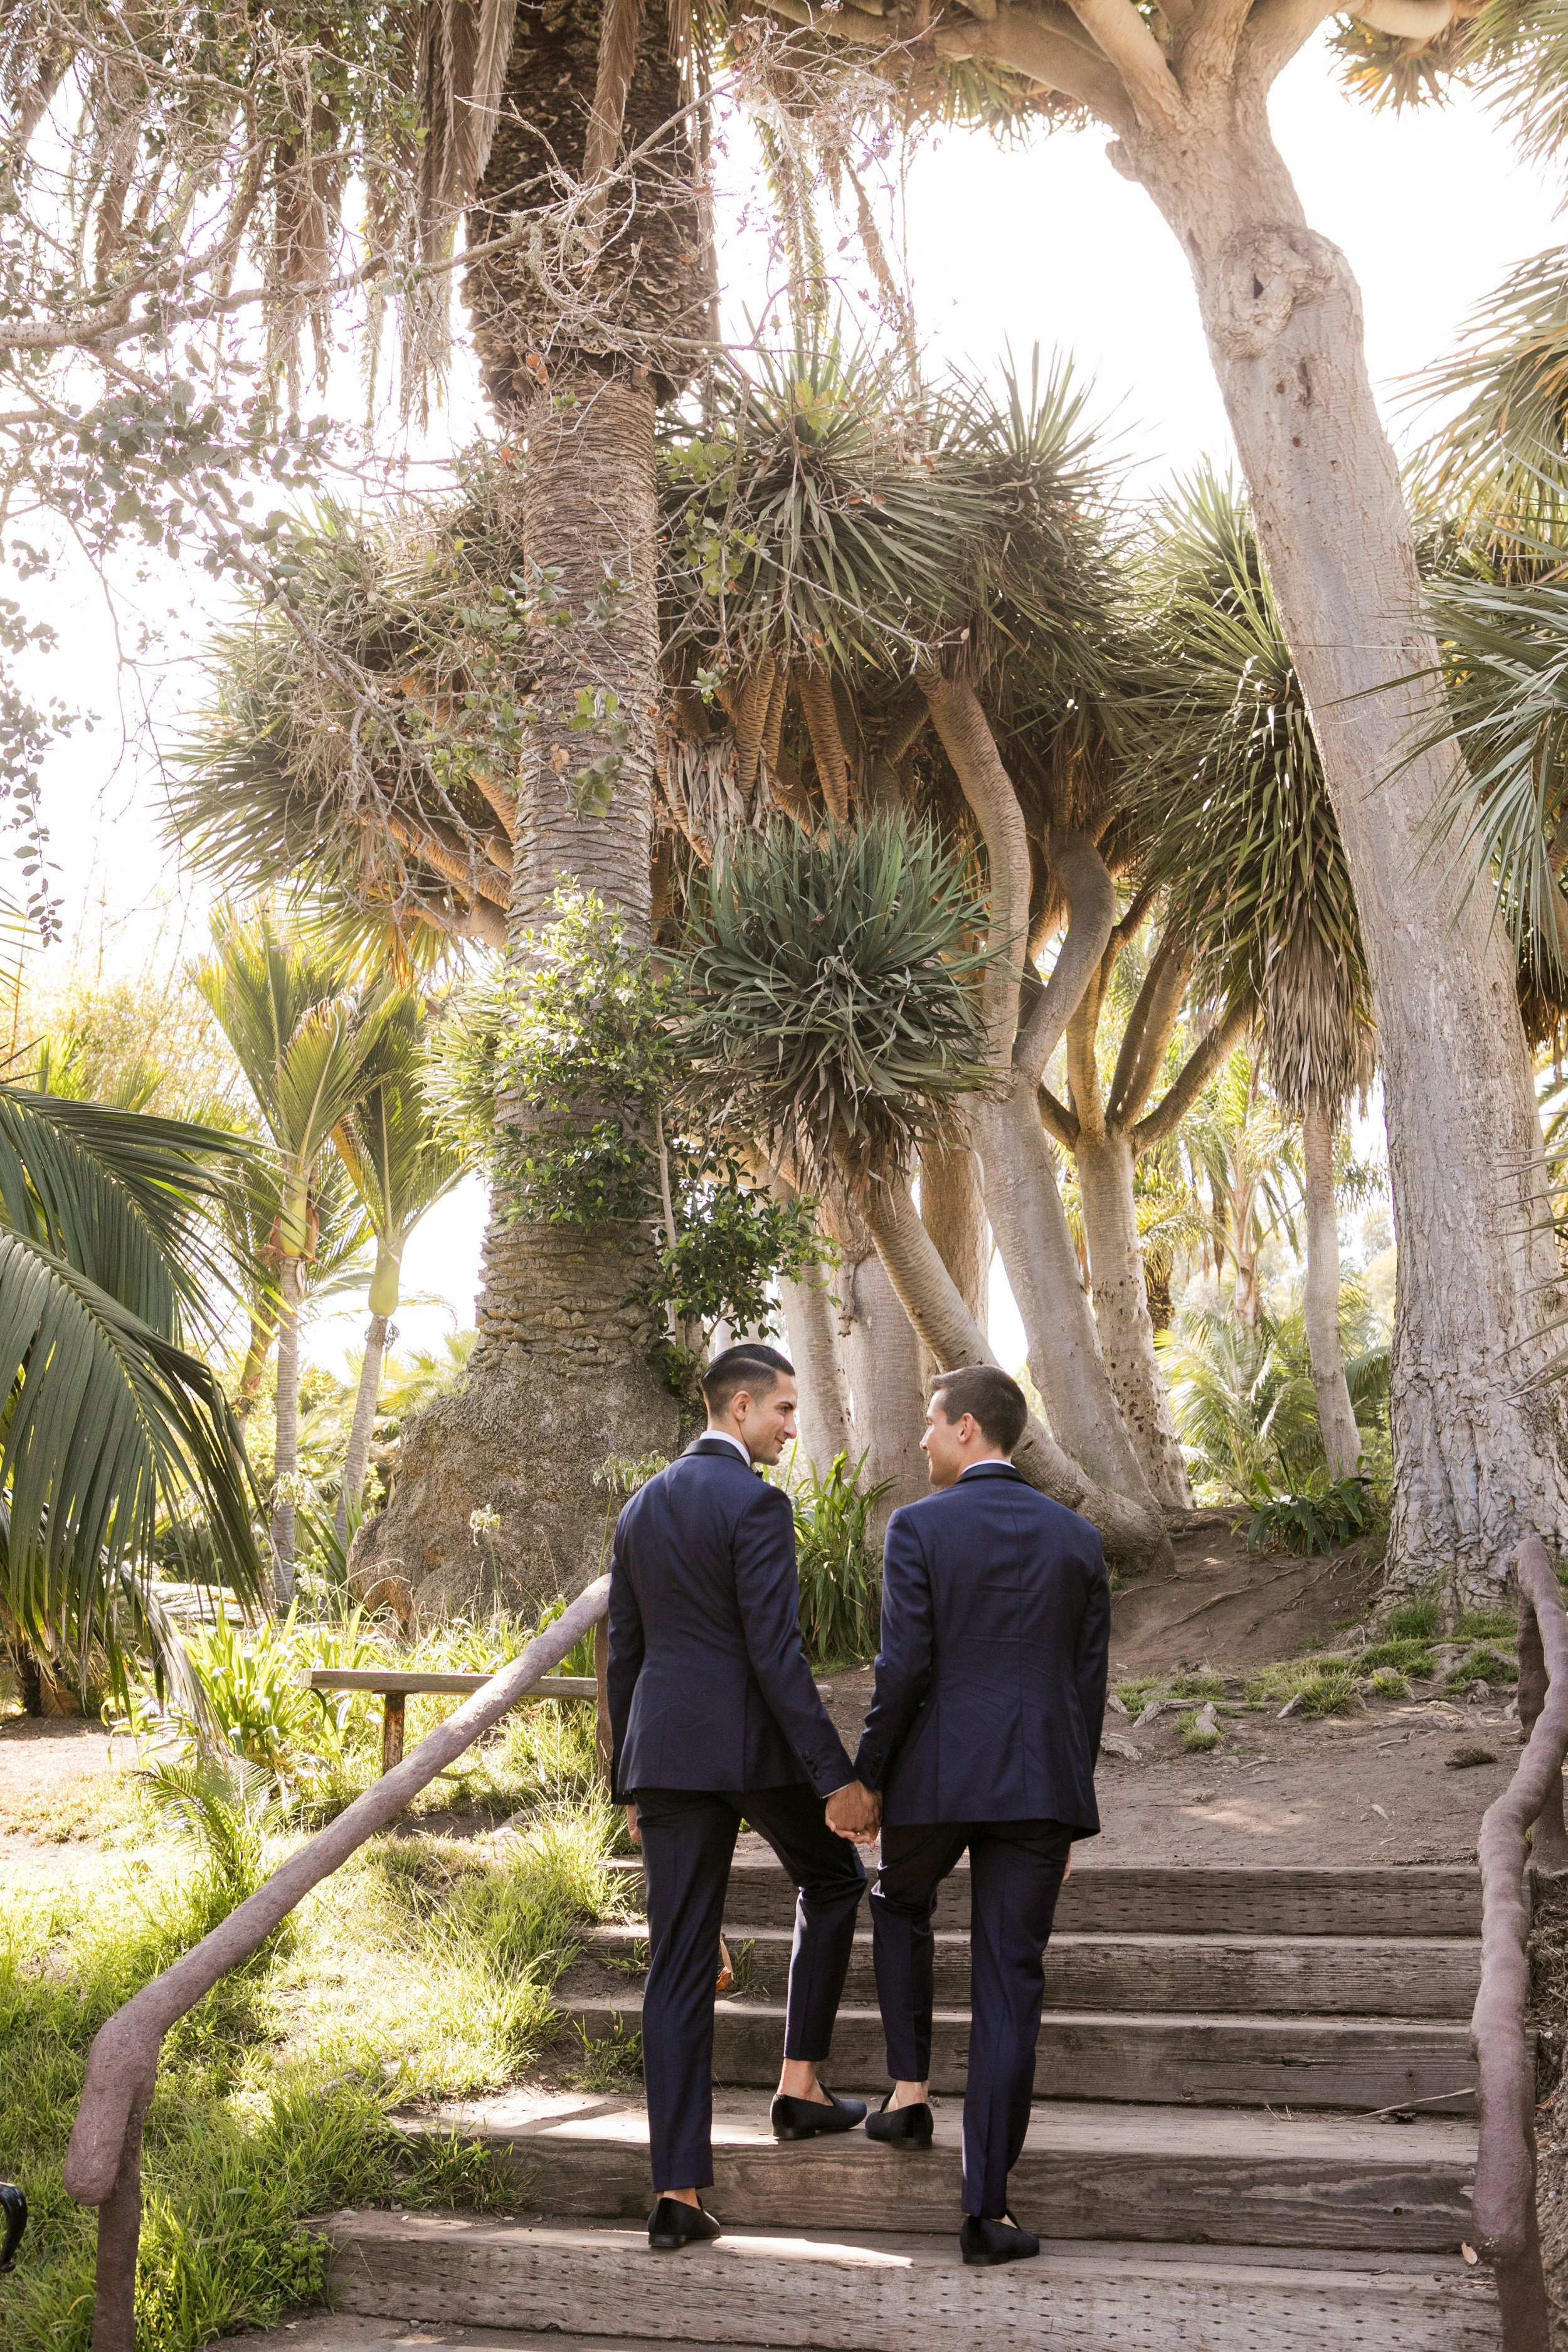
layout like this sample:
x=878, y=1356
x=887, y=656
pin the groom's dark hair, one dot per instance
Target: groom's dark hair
x=998, y=1404
x=750, y=1366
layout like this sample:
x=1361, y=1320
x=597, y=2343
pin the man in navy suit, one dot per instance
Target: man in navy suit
x=982, y=1734
x=715, y=1719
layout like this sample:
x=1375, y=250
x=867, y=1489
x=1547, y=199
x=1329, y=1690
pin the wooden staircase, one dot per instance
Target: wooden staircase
x=1251, y=2134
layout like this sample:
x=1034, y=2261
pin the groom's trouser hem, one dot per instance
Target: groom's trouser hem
x=1015, y=1875
x=689, y=1840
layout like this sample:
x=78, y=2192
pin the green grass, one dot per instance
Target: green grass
x=1416, y=1620
x=1325, y=1685
x=425, y=1965
x=1406, y=1654
x=1487, y=1625
x=1389, y=1683
x=1483, y=1665
x=1197, y=1737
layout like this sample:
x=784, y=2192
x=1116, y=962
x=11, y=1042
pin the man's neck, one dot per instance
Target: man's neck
x=719, y=1429
x=984, y=1461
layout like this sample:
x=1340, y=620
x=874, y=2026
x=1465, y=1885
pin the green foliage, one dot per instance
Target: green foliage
x=1482, y=1666
x=1389, y=1683
x=1323, y=1685
x=587, y=1046
x=840, y=1574
x=1487, y=1625
x=834, y=1012
x=1198, y=1736
x=1330, y=1513
x=219, y=1812
x=1408, y=1653
x=1243, y=1401
x=1414, y=1621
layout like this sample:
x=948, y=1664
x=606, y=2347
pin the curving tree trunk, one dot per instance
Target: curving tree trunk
x=285, y=1452
x=562, y=1376
x=952, y=1210
x=379, y=1332
x=811, y=1328
x=1478, y=1453
x=883, y=1371
x=1321, y=1302
x=1121, y=1316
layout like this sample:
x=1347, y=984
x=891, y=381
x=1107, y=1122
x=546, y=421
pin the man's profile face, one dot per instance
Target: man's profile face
x=765, y=1423
x=943, y=1442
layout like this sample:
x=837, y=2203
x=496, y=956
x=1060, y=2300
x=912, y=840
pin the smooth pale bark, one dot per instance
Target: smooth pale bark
x=286, y=1453
x=1022, y=1194
x=1478, y=1453
x=1321, y=1301
x=263, y=1332
x=1122, y=1314
x=811, y=1328
x=378, y=1333
x=1132, y=1533
x=886, y=1387
x=953, y=1209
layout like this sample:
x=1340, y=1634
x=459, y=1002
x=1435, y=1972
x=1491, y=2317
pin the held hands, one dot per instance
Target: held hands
x=856, y=1813
x=632, y=1830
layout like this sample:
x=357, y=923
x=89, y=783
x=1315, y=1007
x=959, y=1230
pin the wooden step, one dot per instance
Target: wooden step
x=1204, y=2061
x=1422, y=1900
x=1328, y=1975
x=886, y=2294
x=1193, y=2175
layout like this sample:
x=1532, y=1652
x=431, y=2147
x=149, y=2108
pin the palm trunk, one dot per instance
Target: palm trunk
x=1336, y=1417
x=263, y=1332
x=1133, y=1533
x=886, y=1387
x=356, y=1461
x=286, y=1457
x=1122, y=1312
x=563, y=1375
x=1479, y=1451
x=811, y=1324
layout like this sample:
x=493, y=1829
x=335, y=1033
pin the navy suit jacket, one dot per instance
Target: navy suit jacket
x=708, y=1684
x=990, y=1689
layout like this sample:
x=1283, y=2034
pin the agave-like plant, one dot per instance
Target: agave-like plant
x=117, y=1446
x=834, y=981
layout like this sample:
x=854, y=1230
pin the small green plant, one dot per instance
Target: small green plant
x=1408, y=1656
x=1200, y=1731
x=1321, y=1685
x=1482, y=1666
x=611, y=2062
x=1327, y=1515
x=1414, y=1621
x=1487, y=1625
x=1389, y=1683
x=1200, y=1685
x=840, y=1578
x=743, y=1967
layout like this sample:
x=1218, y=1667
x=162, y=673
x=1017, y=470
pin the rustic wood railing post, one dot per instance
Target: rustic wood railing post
x=103, y=2163
x=1506, y=2229
x=603, y=1740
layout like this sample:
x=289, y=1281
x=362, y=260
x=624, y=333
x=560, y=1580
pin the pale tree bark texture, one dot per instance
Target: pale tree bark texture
x=1320, y=1303
x=811, y=1336
x=379, y=1332
x=562, y=1376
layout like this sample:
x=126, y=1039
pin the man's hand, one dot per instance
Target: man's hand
x=632, y=1830
x=856, y=1813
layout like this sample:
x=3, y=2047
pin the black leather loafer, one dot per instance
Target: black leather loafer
x=673, y=2224
x=984, y=2244
x=808, y=2119
x=906, y=2127
x=14, y=2210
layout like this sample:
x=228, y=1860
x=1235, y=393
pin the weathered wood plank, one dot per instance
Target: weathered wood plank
x=1330, y=1976
x=1422, y=1900
x=394, y=1679
x=1186, y=2175
x=1302, y=2062
x=861, y=2294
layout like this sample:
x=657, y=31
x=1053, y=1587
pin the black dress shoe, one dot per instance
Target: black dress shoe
x=984, y=2244
x=808, y=2118
x=673, y=2224
x=14, y=2210
x=907, y=2128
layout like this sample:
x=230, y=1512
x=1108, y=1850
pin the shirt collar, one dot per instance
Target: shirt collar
x=727, y=1437
x=982, y=1469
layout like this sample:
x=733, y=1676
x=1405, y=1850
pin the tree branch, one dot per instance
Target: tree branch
x=1032, y=41
x=1407, y=20
x=1121, y=32
x=1148, y=1032
x=1091, y=901
x=1206, y=50
x=967, y=739
x=1272, y=35
x=1194, y=1076
x=1058, y=1121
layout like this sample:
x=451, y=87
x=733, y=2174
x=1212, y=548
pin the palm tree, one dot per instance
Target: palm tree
x=1247, y=847
x=114, y=1428
x=308, y=1054
x=399, y=1167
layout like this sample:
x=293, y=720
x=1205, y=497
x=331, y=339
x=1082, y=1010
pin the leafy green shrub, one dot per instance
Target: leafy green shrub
x=1414, y=1621
x=1327, y=1515
x=840, y=1576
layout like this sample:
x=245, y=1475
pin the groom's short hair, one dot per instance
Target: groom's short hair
x=750, y=1366
x=998, y=1404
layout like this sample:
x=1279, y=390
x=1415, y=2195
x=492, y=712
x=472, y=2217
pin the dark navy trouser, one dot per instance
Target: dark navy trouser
x=1015, y=1876
x=688, y=1841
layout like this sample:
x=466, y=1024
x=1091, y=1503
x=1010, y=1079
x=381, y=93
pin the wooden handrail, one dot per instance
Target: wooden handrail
x=1506, y=2228
x=103, y=2164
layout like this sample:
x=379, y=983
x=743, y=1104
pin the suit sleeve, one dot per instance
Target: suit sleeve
x=768, y=1591
x=906, y=1657
x=1091, y=1661
x=627, y=1644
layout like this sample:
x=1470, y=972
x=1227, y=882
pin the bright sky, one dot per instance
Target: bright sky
x=1043, y=243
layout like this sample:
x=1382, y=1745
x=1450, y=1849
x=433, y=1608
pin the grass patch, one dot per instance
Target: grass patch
x=1199, y=1735
x=1204, y=1683
x=1322, y=1686
x=1408, y=1655
x=1487, y=1625
x=1482, y=1666
x=1389, y=1683
x=1414, y=1621
x=611, y=2062
x=425, y=1965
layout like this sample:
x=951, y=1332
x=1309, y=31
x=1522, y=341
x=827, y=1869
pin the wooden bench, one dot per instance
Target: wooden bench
x=395, y=1684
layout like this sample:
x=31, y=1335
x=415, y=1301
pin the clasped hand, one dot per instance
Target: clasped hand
x=856, y=1813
